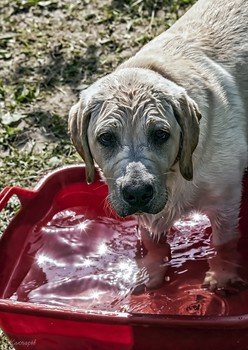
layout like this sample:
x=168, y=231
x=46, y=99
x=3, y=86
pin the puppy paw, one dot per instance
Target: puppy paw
x=225, y=282
x=225, y=268
x=152, y=266
x=151, y=275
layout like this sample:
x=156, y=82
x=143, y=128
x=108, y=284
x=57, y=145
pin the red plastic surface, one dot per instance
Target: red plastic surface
x=45, y=326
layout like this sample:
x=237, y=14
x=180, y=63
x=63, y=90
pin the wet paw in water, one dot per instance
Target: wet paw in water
x=224, y=285
x=153, y=265
x=151, y=275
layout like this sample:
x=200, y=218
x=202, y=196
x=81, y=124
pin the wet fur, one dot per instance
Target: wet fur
x=195, y=78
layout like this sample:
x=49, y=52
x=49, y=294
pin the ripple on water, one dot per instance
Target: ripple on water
x=90, y=263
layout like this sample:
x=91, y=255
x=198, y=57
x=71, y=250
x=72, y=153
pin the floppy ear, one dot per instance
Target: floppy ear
x=79, y=118
x=188, y=116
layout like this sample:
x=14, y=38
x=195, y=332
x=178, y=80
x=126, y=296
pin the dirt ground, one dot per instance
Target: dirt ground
x=49, y=51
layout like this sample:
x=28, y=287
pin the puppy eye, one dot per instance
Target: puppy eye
x=106, y=139
x=160, y=136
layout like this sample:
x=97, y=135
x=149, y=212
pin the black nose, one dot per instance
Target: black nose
x=137, y=195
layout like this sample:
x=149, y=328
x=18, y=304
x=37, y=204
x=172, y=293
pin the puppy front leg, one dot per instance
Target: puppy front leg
x=224, y=266
x=153, y=265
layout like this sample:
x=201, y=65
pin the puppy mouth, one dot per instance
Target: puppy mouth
x=124, y=210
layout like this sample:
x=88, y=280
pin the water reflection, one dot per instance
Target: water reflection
x=91, y=264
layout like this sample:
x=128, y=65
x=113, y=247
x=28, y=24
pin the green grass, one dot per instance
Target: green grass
x=49, y=51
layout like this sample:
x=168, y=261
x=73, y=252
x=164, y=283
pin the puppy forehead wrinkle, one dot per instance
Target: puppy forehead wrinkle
x=127, y=101
x=107, y=124
x=117, y=115
x=125, y=88
x=157, y=119
x=106, y=116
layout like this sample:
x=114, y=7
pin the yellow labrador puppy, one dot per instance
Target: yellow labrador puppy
x=168, y=129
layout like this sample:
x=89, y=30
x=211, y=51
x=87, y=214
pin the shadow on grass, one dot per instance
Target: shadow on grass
x=59, y=70
x=71, y=72
x=53, y=126
x=38, y=128
x=50, y=77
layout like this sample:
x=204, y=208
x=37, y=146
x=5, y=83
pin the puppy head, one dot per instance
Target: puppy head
x=135, y=125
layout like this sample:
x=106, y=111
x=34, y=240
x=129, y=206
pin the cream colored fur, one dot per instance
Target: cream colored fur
x=192, y=79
